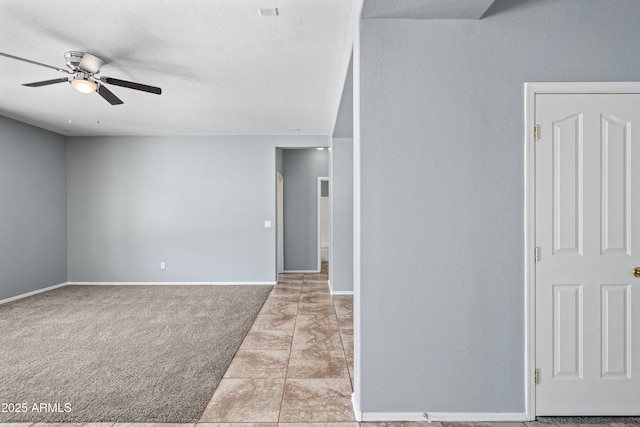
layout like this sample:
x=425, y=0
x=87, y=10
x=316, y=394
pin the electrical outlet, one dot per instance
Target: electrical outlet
x=163, y=265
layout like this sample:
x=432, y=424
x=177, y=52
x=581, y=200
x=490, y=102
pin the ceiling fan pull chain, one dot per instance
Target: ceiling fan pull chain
x=70, y=108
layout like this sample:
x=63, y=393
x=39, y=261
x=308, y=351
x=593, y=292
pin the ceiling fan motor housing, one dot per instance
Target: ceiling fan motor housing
x=73, y=59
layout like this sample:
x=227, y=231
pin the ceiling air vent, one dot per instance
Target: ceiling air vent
x=268, y=12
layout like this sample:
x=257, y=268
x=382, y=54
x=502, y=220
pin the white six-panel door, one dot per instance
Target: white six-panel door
x=587, y=220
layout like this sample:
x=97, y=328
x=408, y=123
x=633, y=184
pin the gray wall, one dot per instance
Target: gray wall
x=302, y=167
x=442, y=315
x=343, y=127
x=341, y=259
x=197, y=203
x=33, y=209
x=341, y=166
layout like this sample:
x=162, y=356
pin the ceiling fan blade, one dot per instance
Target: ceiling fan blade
x=62, y=70
x=47, y=82
x=90, y=63
x=109, y=96
x=131, y=85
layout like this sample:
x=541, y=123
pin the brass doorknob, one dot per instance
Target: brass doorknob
x=636, y=271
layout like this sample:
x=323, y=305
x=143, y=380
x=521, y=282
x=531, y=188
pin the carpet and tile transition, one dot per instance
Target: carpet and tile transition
x=152, y=354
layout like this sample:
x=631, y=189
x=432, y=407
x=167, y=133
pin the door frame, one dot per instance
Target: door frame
x=530, y=92
x=319, y=219
x=279, y=224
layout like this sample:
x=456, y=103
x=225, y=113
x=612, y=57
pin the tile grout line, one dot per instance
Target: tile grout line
x=344, y=352
x=286, y=374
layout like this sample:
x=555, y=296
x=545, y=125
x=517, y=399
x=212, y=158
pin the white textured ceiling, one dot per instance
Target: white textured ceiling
x=223, y=69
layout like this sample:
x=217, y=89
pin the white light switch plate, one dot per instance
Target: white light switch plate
x=267, y=224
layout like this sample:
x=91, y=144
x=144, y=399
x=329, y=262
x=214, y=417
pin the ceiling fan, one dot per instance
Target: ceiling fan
x=83, y=68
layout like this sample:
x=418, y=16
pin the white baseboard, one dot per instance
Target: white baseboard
x=435, y=416
x=302, y=271
x=28, y=294
x=478, y=416
x=393, y=416
x=341, y=292
x=169, y=283
x=357, y=413
x=444, y=416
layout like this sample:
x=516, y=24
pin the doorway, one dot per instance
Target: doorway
x=301, y=168
x=280, y=221
x=582, y=235
x=324, y=222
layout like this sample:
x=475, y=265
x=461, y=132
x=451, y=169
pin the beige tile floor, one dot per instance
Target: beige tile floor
x=295, y=364
x=295, y=368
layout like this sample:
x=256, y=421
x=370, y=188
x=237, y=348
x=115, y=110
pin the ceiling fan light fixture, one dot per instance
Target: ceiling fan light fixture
x=84, y=86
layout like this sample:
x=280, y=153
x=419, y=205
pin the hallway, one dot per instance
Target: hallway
x=296, y=363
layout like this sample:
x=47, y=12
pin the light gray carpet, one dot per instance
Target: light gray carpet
x=152, y=354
